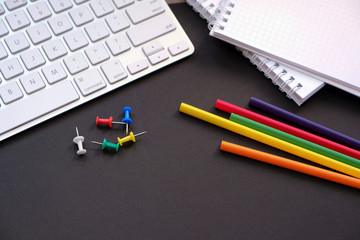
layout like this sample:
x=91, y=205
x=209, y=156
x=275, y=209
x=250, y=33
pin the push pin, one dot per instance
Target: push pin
x=127, y=118
x=79, y=141
x=108, y=121
x=130, y=137
x=107, y=144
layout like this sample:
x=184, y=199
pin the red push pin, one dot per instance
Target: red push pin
x=108, y=121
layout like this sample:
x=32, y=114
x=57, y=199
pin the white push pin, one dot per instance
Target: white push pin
x=79, y=141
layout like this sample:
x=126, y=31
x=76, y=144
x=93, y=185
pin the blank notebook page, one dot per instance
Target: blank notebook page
x=319, y=36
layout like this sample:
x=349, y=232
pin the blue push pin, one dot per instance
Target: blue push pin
x=127, y=118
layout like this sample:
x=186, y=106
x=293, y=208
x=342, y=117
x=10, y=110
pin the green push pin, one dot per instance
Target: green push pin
x=107, y=144
x=130, y=137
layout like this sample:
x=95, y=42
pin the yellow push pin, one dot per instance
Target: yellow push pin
x=130, y=137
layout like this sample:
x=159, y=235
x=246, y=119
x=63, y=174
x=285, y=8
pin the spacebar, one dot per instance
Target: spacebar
x=37, y=105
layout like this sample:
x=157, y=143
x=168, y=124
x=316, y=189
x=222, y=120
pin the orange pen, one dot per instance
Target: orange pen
x=290, y=164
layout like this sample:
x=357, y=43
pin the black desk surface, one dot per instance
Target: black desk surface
x=174, y=183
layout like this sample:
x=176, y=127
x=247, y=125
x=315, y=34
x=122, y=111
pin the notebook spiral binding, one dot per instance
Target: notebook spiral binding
x=197, y=4
x=223, y=10
x=271, y=70
x=203, y=11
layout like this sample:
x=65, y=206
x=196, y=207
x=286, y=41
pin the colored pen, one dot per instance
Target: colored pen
x=295, y=140
x=290, y=164
x=303, y=122
x=269, y=140
x=231, y=108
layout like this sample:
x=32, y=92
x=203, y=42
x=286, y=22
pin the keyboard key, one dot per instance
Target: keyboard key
x=60, y=5
x=39, y=11
x=122, y=3
x=138, y=66
x=3, y=53
x=101, y=7
x=17, y=42
x=54, y=49
x=17, y=20
x=117, y=44
x=60, y=24
x=81, y=15
x=90, y=82
x=76, y=40
x=54, y=73
x=3, y=28
x=117, y=22
x=151, y=29
x=158, y=57
x=152, y=47
x=32, y=82
x=144, y=10
x=96, y=31
x=2, y=10
x=11, y=68
x=178, y=48
x=80, y=1
x=14, y=4
x=38, y=33
x=97, y=54
x=32, y=58
x=76, y=63
x=113, y=71
x=10, y=92
x=34, y=107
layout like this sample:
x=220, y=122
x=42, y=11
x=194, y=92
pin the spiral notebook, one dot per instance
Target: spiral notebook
x=316, y=37
x=296, y=85
x=205, y=8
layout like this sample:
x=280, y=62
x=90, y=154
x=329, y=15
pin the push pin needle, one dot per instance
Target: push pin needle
x=130, y=137
x=79, y=141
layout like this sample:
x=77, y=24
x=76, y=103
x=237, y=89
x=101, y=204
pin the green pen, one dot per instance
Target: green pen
x=295, y=140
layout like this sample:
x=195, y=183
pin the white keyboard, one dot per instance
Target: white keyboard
x=58, y=54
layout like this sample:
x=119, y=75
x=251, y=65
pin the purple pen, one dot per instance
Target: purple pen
x=305, y=123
